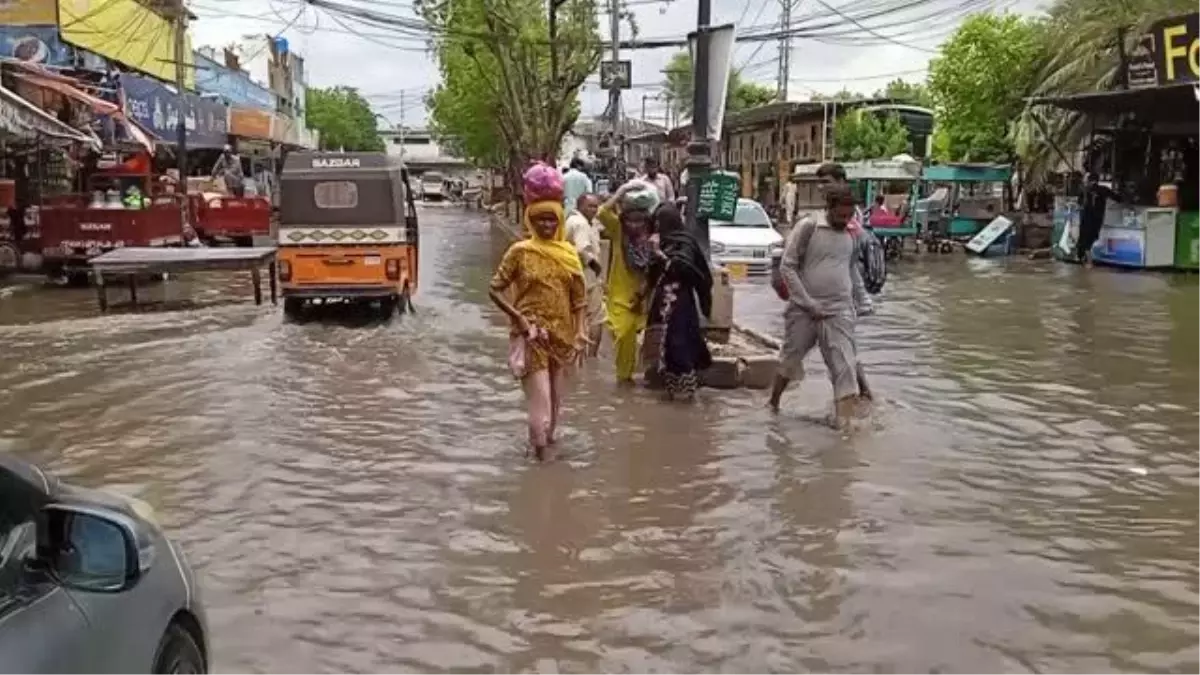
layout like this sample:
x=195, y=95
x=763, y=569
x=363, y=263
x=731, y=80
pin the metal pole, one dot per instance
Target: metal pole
x=180, y=86
x=614, y=91
x=785, y=50
x=644, y=97
x=699, y=160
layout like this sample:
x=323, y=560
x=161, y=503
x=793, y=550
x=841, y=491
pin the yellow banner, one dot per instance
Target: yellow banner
x=126, y=32
x=29, y=13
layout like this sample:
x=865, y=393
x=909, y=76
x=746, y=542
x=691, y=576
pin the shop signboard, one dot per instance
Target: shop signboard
x=157, y=107
x=234, y=86
x=1177, y=40
x=29, y=13
x=41, y=44
x=718, y=196
x=250, y=123
x=128, y=32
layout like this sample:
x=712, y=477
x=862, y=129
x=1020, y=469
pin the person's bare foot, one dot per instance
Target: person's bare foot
x=773, y=405
x=539, y=453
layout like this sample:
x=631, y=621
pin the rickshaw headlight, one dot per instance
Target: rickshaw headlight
x=285, y=270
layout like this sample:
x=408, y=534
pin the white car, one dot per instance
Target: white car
x=746, y=245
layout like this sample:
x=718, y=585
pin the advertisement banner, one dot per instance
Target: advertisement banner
x=28, y=13
x=127, y=32
x=1176, y=43
x=40, y=44
x=235, y=87
x=157, y=108
x=250, y=123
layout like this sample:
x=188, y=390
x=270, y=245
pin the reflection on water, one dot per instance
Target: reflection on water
x=355, y=498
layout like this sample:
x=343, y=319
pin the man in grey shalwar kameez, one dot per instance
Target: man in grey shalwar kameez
x=820, y=269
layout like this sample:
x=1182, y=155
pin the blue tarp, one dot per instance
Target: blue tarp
x=157, y=108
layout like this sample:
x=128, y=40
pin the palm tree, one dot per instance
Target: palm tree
x=1081, y=55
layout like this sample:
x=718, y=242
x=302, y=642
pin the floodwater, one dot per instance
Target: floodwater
x=355, y=499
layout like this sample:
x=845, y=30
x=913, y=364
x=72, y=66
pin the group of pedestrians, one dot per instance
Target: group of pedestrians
x=559, y=295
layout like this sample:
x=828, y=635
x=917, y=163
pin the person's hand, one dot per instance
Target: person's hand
x=581, y=344
x=819, y=310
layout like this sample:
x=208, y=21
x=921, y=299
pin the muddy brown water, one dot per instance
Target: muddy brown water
x=354, y=497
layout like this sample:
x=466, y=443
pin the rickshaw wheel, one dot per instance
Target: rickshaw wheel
x=947, y=247
x=389, y=305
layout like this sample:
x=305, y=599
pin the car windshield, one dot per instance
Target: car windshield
x=749, y=214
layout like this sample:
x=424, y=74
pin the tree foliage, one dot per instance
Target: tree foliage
x=860, y=135
x=979, y=83
x=1079, y=52
x=344, y=118
x=739, y=95
x=497, y=96
x=912, y=93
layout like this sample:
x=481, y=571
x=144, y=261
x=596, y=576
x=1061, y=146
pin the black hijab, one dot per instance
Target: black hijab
x=685, y=257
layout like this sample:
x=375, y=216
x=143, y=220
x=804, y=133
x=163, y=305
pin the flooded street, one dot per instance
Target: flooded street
x=354, y=498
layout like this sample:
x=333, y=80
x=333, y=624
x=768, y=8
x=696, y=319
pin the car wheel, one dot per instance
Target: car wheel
x=178, y=653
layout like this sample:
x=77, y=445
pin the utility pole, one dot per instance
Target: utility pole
x=785, y=49
x=699, y=155
x=401, y=129
x=614, y=91
x=181, y=14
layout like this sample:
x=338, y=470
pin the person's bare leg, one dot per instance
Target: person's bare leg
x=777, y=388
x=556, y=392
x=595, y=335
x=845, y=409
x=540, y=410
x=864, y=389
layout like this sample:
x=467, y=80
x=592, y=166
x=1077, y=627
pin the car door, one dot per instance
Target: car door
x=42, y=630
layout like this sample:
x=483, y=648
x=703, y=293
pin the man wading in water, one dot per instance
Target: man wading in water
x=820, y=269
x=1091, y=216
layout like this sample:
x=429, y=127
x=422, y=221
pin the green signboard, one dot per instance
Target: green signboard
x=718, y=196
x=1187, y=240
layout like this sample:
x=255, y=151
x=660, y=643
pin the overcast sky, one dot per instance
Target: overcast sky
x=339, y=52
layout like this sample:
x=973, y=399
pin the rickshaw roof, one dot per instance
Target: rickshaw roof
x=309, y=163
x=872, y=169
x=969, y=173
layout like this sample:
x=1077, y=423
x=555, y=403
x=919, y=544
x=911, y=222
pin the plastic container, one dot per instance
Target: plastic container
x=1168, y=195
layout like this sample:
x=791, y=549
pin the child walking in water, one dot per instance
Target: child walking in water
x=546, y=302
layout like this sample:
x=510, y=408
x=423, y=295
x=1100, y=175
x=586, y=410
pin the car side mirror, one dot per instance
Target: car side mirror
x=92, y=549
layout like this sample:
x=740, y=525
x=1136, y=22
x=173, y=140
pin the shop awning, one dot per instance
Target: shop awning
x=65, y=86
x=1172, y=102
x=24, y=119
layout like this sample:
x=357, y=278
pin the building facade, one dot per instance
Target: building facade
x=422, y=152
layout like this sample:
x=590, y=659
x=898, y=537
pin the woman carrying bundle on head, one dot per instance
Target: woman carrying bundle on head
x=546, y=302
x=626, y=219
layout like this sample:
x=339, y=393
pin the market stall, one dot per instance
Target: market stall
x=1144, y=146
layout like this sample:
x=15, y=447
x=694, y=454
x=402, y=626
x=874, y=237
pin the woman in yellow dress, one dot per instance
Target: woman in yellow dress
x=628, y=230
x=546, y=302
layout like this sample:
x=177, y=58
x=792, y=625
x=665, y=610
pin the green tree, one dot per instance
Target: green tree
x=498, y=95
x=912, y=93
x=860, y=135
x=843, y=95
x=739, y=95
x=979, y=82
x=344, y=118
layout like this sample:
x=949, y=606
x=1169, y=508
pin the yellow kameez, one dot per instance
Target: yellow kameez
x=625, y=318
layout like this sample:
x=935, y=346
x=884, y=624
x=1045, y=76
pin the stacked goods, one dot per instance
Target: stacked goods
x=542, y=183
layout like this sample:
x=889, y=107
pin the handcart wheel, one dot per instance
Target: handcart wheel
x=947, y=247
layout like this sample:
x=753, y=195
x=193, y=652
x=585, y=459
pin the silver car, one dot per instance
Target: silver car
x=90, y=584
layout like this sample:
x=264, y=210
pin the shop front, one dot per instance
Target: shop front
x=1144, y=143
x=159, y=109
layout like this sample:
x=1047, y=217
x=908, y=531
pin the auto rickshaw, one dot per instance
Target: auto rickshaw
x=347, y=231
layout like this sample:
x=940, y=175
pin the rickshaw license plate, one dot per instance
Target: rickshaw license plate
x=372, y=260
x=737, y=271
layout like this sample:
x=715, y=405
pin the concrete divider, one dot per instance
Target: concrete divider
x=742, y=358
